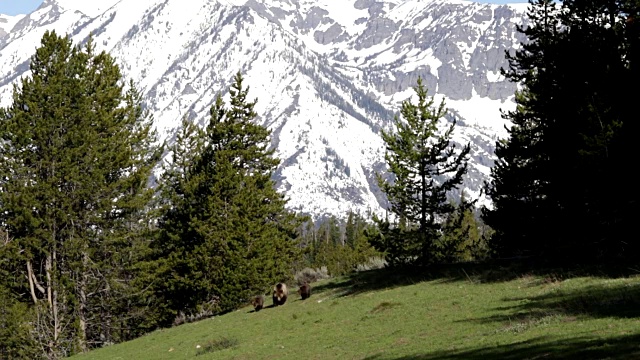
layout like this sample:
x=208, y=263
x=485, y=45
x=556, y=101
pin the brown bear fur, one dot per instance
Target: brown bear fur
x=304, y=291
x=280, y=294
x=258, y=302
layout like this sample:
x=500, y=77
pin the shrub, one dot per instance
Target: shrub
x=309, y=275
x=216, y=345
x=373, y=263
x=16, y=329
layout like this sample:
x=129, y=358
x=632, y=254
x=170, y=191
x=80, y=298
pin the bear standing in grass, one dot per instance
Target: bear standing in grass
x=258, y=302
x=304, y=291
x=280, y=294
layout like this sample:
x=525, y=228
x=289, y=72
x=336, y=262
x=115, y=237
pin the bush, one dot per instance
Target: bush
x=216, y=345
x=309, y=275
x=203, y=311
x=16, y=328
x=373, y=263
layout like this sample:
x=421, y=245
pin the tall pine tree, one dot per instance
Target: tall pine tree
x=426, y=167
x=77, y=154
x=566, y=150
x=520, y=175
x=225, y=233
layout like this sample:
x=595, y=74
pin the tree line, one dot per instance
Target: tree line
x=91, y=254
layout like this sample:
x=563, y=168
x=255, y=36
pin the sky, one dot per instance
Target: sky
x=14, y=7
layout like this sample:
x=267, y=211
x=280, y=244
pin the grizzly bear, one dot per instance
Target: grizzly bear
x=280, y=294
x=258, y=302
x=304, y=291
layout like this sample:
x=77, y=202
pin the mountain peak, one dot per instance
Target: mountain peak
x=89, y=8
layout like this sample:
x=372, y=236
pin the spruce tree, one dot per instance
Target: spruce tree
x=462, y=239
x=225, y=233
x=551, y=184
x=522, y=208
x=426, y=167
x=356, y=239
x=351, y=229
x=77, y=155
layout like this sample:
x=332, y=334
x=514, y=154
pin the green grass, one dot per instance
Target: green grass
x=455, y=313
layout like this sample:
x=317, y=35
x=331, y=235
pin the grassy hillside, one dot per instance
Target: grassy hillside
x=459, y=313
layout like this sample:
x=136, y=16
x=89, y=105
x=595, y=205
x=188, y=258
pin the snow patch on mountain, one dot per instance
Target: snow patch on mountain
x=7, y=22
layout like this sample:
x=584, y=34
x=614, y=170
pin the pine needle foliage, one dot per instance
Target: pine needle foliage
x=77, y=152
x=426, y=167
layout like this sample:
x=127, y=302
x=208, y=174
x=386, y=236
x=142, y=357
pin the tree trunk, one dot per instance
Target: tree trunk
x=423, y=200
x=82, y=292
x=52, y=296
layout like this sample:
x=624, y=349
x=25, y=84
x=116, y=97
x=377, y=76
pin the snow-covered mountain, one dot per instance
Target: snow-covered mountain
x=328, y=74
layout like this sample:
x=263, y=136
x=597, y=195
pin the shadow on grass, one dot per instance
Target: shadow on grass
x=618, y=301
x=500, y=271
x=373, y=280
x=582, y=348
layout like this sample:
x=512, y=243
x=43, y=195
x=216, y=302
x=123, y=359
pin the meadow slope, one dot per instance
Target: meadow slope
x=460, y=313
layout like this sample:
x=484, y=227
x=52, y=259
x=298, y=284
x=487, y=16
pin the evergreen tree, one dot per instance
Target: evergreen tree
x=462, y=239
x=357, y=240
x=77, y=154
x=224, y=231
x=551, y=184
x=330, y=250
x=519, y=178
x=330, y=232
x=351, y=229
x=426, y=168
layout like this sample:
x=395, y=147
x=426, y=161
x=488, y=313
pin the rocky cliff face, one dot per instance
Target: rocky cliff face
x=328, y=75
